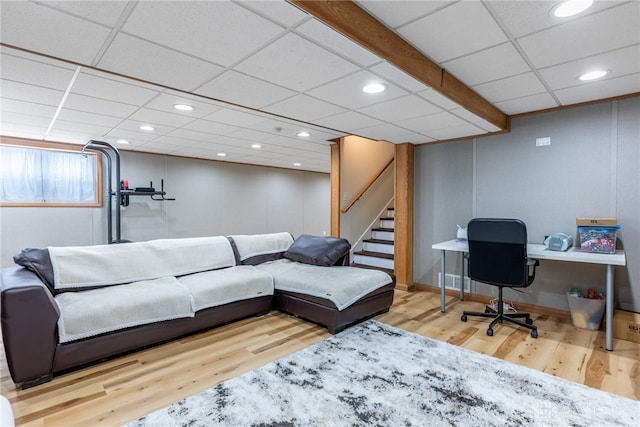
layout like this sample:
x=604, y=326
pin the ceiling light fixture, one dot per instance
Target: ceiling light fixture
x=304, y=134
x=122, y=141
x=147, y=128
x=297, y=164
x=222, y=154
x=570, y=8
x=183, y=107
x=256, y=146
x=374, y=88
x=593, y=75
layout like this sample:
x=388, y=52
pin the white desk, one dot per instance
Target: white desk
x=539, y=252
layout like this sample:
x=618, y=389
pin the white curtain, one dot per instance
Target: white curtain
x=31, y=175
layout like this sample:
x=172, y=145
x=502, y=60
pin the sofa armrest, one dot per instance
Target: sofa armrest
x=29, y=316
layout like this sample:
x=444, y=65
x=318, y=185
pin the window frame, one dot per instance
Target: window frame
x=60, y=147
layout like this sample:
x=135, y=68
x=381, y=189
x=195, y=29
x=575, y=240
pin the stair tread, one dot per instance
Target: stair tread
x=380, y=241
x=374, y=254
x=383, y=229
x=387, y=218
x=371, y=267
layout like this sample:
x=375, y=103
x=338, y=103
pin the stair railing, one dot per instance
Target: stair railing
x=367, y=187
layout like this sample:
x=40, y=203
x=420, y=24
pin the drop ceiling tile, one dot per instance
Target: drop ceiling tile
x=102, y=12
x=413, y=138
x=347, y=92
x=89, y=118
x=454, y=31
x=400, y=109
x=161, y=118
x=525, y=17
x=106, y=88
x=382, y=132
x=510, y=87
x=438, y=99
x=466, y=130
x=251, y=135
x=29, y=93
x=68, y=137
x=540, y=101
x=236, y=117
x=192, y=135
x=25, y=119
x=39, y=28
x=399, y=12
x=30, y=108
x=37, y=73
x=221, y=32
x=94, y=130
x=133, y=136
x=207, y=126
x=599, y=90
x=134, y=126
x=329, y=38
x=295, y=63
x=99, y=106
x=428, y=123
x=279, y=11
x=488, y=65
x=22, y=131
x=166, y=101
x=147, y=61
x=304, y=107
x=398, y=77
x=619, y=63
x=348, y=121
x=241, y=89
x=584, y=37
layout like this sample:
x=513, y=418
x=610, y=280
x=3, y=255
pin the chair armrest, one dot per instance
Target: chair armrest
x=532, y=271
x=29, y=317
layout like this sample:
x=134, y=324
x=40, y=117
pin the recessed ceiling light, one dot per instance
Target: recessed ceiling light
x=256, y=146
x=593, y=75
x=122, y=141
x=222, y=154
x=570, y=7
x=147, y=128
x=304, y=134
x=297, y=164
x=183, y=107
x=374, y=88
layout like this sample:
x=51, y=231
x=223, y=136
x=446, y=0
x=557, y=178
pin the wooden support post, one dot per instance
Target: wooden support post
x=403, y=245
x=335, y=189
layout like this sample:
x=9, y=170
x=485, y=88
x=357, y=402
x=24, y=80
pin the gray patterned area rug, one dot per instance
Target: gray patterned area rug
x=377, y=375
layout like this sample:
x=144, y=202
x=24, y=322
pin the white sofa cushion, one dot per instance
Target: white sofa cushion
x=78, y=267
x=88, y=313
x=341, y=285
x=257, y=248
x=218, y=287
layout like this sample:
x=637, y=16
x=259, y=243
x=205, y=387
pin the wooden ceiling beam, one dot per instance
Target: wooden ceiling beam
x=355, y=23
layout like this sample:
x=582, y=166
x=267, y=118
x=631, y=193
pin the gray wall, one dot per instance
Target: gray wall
x=212, y=198
x=591, y=168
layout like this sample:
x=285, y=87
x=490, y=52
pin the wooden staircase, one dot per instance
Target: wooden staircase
x=377, y=252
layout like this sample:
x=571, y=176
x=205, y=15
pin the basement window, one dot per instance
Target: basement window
x=31, y=175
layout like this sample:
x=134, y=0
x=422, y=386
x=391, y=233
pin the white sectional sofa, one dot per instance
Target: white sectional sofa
x=68, y=306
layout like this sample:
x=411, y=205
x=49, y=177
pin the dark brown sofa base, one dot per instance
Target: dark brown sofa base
x=29, y=325
x=81, y=352
x=326, y=314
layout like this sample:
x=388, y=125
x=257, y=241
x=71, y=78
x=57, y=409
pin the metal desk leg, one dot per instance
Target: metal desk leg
x=461, y=276
x=442, y=279
x=609, y=307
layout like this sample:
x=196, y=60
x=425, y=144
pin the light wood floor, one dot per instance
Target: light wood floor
x=123, y=389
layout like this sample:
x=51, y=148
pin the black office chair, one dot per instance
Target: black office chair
x=498, y=257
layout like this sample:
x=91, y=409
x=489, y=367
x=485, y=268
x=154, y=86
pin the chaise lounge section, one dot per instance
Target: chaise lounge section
x=70, y=306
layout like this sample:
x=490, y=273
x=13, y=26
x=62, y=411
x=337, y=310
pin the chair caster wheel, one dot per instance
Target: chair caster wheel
x=463, y=317
x=529, y=321
x=487, y=311
x=534, y=334
x=490, y=332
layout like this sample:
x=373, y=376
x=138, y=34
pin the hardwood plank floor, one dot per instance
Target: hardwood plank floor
x=122, y=389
